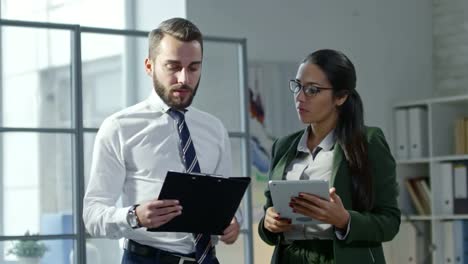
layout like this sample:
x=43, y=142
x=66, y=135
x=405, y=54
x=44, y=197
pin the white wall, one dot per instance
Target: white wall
x=148, y=14
x=450, y=46
x=390, y=42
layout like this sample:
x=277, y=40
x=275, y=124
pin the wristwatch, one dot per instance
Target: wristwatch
x=132, y=218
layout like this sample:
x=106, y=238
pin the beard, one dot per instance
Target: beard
x=165, y=93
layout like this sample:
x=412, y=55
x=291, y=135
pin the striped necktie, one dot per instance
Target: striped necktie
x=204, y=250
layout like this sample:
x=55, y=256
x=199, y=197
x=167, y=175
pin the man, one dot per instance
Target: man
x=135, y=148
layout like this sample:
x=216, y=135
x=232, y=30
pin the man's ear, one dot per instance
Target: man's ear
x=149, y=67
x=341, y=100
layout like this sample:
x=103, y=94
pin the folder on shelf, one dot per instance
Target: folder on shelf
x=209, y=202
x=445, y=178
x=460, y=232
x=448, y=243
x=404, y=247
x=401, y=133
x=417, y=119
x=460, y=188
x=455, y=243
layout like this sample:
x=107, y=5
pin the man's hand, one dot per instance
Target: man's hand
x=231, y=233
x=274, y=223
x=156, y=213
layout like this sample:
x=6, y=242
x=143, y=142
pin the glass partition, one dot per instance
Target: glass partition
x=53, y=97
x=219, y=92
x=32, y=88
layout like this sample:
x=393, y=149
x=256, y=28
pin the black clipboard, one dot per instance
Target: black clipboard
x=209, y=202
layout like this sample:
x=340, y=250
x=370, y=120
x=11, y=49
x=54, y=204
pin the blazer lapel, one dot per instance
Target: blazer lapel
x=286, y=159
x=340, y=178
x=337, y=161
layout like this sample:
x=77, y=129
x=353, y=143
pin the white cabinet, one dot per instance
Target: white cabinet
x=431, y=125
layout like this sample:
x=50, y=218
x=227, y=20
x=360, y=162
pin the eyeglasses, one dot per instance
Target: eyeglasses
x=309, y=90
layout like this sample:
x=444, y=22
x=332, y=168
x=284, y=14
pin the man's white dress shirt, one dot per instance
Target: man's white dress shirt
x=133, y=151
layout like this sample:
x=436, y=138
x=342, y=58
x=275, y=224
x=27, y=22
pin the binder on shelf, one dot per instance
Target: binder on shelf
x=460, y=188
x=401, y=133
x=209, y=202
x=417, y=118
x=446, y=188
x=455, y=243
x=448, y=245
x=460, y=232
x=404, y=247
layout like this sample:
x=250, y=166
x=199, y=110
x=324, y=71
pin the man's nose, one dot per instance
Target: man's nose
x=183, y=76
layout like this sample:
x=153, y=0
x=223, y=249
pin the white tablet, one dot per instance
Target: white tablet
x=283, y=191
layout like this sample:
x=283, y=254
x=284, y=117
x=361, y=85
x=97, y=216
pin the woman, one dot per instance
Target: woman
x=362, y=211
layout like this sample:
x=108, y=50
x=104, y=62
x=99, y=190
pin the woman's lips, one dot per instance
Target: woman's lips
x=301, y=110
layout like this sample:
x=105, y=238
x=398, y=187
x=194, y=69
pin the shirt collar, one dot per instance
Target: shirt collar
x=158, y=104
x=326, y=144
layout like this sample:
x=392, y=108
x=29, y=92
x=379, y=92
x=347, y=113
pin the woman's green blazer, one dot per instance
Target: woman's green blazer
x=367, y=229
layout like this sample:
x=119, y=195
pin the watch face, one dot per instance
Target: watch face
x=132, y=219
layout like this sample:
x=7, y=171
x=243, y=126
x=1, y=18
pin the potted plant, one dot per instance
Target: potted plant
x=28, y=251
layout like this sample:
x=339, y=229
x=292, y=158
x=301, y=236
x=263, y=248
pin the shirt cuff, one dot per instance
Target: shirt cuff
x=341, y=234
x=239, y=218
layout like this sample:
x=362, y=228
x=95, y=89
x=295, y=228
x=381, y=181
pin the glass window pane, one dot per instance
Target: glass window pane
x=35, y=78
x=110, y=75
x=42, y=251
x=84, y=12
x=37, y=183
x=88, y=154
x=237, y=156
x=101, y=250
x=219, y=92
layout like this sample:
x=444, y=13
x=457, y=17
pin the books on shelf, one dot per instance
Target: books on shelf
x=435, y=134
x=419, y=191
x=461, y=136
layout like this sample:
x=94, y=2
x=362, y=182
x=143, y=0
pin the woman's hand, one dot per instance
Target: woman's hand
x=274, y=223
x=330, y=212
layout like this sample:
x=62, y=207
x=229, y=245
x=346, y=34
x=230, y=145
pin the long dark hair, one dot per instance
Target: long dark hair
x=350, y=129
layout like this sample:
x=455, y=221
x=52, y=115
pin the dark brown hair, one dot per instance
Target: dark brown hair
x=179, y=28
x=350, y=129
